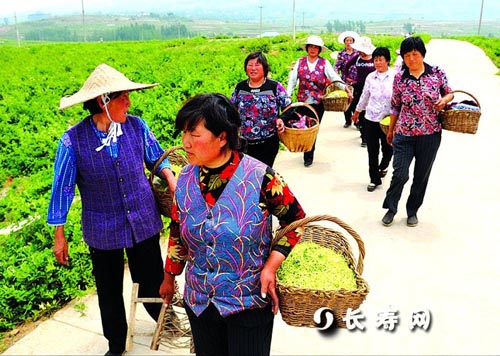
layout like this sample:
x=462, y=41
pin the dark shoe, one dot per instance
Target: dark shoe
x=382, y=173
x=346, y=125
x=371, y=187
x=363, y=144
x=412, y=221
x=388, y=218
x=308, y=162
x=109, y=353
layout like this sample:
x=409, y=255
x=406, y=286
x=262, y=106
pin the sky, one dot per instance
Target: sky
x=333, y=9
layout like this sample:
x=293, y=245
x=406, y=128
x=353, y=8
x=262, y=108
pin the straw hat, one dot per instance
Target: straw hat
x=316, y=41
x=345, y=34
x=364, y=44
x=103, y=80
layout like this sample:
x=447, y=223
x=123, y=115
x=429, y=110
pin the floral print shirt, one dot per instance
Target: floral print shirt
x=413, y=101
x=259, y=108
x=275, y=198
x=342, y=59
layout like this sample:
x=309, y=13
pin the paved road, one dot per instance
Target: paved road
x=446, y=265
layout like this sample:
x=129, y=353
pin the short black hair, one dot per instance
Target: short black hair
x=260, y=59
x=216, y=112
x=412, y=43
x=382, y=52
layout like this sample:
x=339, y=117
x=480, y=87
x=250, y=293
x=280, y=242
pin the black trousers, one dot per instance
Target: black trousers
x=406, y=148
x=375, y=139
x=146, y=268
x=265, y=151
x=320, y=110
x=247, y=333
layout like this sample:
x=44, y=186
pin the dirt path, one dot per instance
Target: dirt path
x=447, y=264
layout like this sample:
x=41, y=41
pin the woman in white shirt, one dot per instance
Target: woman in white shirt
x=376, y=101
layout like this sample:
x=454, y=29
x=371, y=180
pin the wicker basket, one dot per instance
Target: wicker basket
x=161, y=191
x=383, y=126
x=298, y=305
x=335, y=104
x=464, y=121
x=300, y=140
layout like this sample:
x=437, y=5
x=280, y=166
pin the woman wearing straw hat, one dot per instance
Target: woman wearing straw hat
x=104, y=155
x=312, y=73
x=342, y=58
x=221, y=236
x=364, y=66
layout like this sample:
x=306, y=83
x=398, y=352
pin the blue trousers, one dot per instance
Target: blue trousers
x=424, y=149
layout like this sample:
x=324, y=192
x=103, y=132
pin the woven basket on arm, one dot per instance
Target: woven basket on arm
x=163, y=197
x=464, y=121
x=300, y=140
x=298, y=305
x=335, y=104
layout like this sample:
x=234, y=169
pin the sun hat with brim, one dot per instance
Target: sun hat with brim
x=364, y=44
x=345, y=34
x=103, y=80
x=316, y=41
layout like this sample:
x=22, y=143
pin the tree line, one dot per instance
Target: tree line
x=132, y=32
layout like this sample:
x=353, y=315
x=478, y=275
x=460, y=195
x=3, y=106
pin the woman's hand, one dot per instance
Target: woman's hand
x=280, y=125
x=389, y=137
x=60, y=246
x=440, y=104
x=350, y=95
x=167, y=288
x=355, y=117
x=268, y=279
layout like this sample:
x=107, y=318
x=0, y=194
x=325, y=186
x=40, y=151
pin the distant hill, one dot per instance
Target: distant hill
x=147, y=26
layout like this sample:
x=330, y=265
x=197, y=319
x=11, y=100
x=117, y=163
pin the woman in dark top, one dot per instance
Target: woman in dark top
x=364, y=66
x=260, y=101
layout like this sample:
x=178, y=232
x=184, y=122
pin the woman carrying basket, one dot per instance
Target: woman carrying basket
x=375, y=100
x=221, y=233
x=342, y=58
x=420, y=92
x=312, y=73
x=259, y=101
x=104, y=155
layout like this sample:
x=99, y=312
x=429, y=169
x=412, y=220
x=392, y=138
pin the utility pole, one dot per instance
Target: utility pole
x=83, y=23
x=303, y=21
x=480, y=18
x=260, y=28
x=17, y=31
x=293, y=20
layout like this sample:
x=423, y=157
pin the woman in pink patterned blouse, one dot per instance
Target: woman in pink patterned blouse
x=420, y=92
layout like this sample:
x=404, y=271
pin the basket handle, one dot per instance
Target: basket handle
x=469, y=94
x=297, y=223
x=299, y=103
x=159, y=160
x=327, y=88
